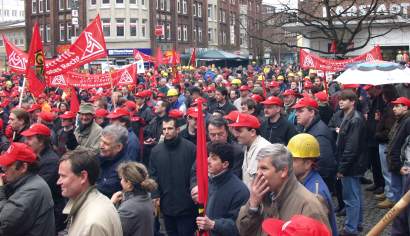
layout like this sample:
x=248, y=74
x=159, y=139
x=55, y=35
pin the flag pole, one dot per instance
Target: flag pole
x=22, y=92
x=111, y=83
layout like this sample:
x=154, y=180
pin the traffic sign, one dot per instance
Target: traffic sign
x=159, y=30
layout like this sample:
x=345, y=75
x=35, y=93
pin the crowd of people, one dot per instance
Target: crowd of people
x=281, y=144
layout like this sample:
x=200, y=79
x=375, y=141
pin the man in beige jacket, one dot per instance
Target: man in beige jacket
x=90, y=213
x=275, y=192
x=88, y=132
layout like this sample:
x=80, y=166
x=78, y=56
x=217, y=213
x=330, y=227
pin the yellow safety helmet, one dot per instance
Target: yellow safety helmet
x=266, y=70
x=172, y=92
x=280, y=77
x=291, y=74
x=261, y=77
x=300, y=73
x=236, y=82
x=304, y=146
x=312, y=71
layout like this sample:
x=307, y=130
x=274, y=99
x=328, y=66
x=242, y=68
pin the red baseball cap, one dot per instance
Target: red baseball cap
x=46, y=116
x=140, y=94
x=192, y=112
x=34, y=107
x=232, y=116
x=175, y=114
x=257, y=98
x=101, y=113
x=402, y=100
x=68, y=115
x=322, y=96
x=162, y=95
x=119, y=112
x=274, y=84
x=36, y=129
x=246, y=120
x=289, y=92
x=298, y=225
x=17, y=152
x=130, y=105
x=211, y=89
x=244, y=88
x=350, y=86
x=306, y=102
x=272, y=100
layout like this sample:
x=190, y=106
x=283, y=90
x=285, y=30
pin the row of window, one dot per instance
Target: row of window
x=17, y=38
x=136, y=28
x=107, y=2
x=41, y=6
x=66, y=31
x=6, y=12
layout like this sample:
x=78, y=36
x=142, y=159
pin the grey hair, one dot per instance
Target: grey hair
x=279, y=154
x=118, y=132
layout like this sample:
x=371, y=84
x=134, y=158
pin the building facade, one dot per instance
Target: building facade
x=184, y=22
x=11, y=10
x=213, y=24
x=126, y=26
x=60, y=21
x=228, y=25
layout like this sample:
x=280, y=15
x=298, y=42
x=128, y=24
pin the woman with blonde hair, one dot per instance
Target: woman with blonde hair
x=133, y=202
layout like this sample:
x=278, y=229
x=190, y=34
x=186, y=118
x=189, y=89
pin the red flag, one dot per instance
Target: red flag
x=16, y=58
x=74, y=103
x=158, y=58
x=35, y=64
x=89, y=46
x=174, y=57
x=193, y=58
x=201, y=164
x=333, y=47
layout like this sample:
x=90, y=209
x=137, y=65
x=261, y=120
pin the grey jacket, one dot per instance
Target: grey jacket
x=89, y=137
x=26, y=208
x=136, y=214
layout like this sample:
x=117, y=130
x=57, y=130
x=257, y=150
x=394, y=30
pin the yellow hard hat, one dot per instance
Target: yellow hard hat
x=300, y=73
x=280, y=77
x=266, y=70
x=312, y=71
x=172, y=92
x=261, y=77
x=304, y=146
x=291, y=74
x=236, y=82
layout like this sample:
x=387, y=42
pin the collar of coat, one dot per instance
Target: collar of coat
x=73, y=205
x=286, y=190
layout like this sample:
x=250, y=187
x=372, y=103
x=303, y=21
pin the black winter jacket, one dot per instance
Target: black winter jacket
x=327, y=162
x=351, y=145
x=227, y=193
x=280, y=132
x=399, y=132
x=170, y=166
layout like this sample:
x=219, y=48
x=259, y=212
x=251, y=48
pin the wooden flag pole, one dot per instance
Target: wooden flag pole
x=22, y=92
x=390, y=215
x=111, y=83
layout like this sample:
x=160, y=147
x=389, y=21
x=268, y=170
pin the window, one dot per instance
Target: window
x=6, y=12
x=105, y=2
x=194, y=35
x=47, y=6
x=168, y=31
x=210, y=35
x=184, y=7
x=62, y=32
x=143, y=3
x=42, y=33
x=48, y=39
x=199, y=34
x=185, y=33
x=223, y=16
x=61, y=4
x=93, y=2
x=199, y=10
x=209, y=12
x=179, y=33
x=194, y=9
x=69, y=31
x=179, y=6
x=69, y=4
x=33, y=7
x=120, y=27
x=14, y=13
x=1, y=43
x=168, y=5
x=106, y=27
x=162, y=6
x=119, y=2
x=144, y=28
x=133, y=27
x=133, y=1
x=40, y=6
x=156, y=6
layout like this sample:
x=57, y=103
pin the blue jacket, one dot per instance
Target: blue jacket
x=133, y=146
x=227, y=193
x=323, y=191
x=108, y=183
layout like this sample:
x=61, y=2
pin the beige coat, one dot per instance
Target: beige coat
x=90, y=137
x=250, y=163
x=92, y=214
x=293, y=199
